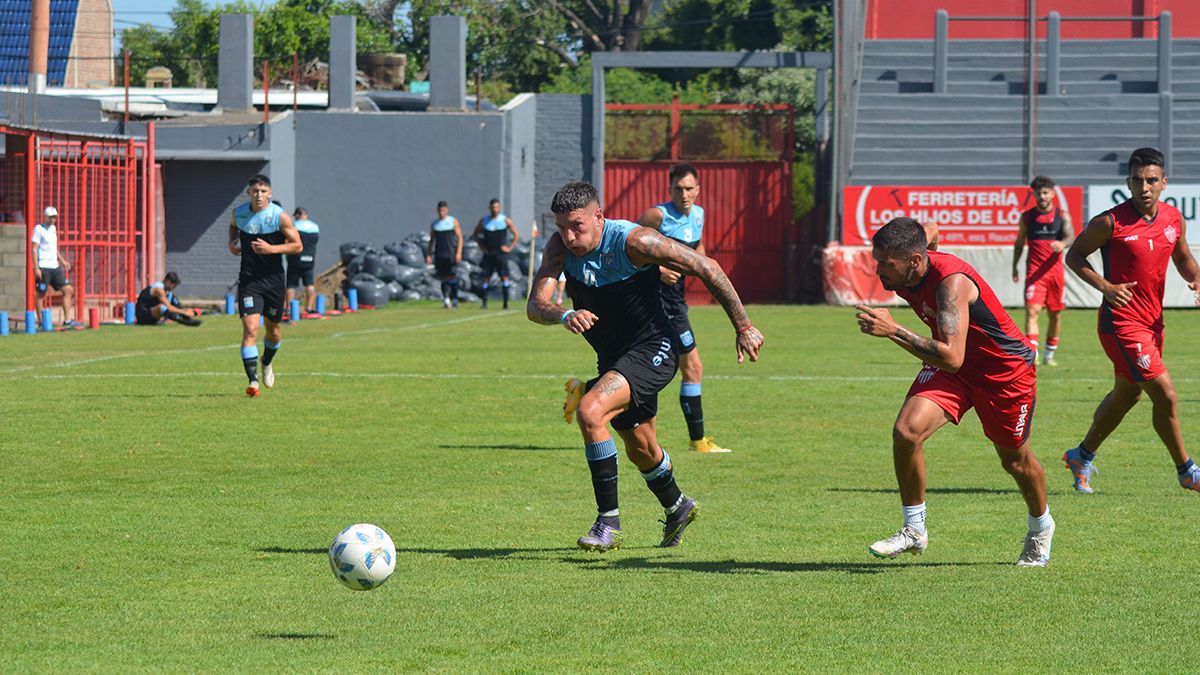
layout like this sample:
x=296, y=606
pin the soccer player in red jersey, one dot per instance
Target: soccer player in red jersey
x=976, y=358
x=1049, y=231
x=1136, y=238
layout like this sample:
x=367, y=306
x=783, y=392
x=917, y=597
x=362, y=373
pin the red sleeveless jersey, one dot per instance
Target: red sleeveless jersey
x=1041, y=231
x=1139, y=250
x=997, y=351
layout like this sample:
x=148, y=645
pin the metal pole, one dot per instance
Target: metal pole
x=1164, y=52
x=598, y=126
x=295, y=81
x=30, y=210
x=1053, y=42
x=266, y=94
x=39, y=45
x=125, y=118
x=941, y=35
x=478, y=87
x=1031, y=107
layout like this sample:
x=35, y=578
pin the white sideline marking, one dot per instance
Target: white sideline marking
x=418, y=326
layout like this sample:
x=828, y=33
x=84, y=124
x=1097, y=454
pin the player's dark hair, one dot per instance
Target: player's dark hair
x=901, y=236
x=300, y=212
x=172, y=277
x=494, y=201
x=443, y=204
x=1147, y=157
x=680, y=170
x=574, y=196
x=1041, y=182
x=258, y=179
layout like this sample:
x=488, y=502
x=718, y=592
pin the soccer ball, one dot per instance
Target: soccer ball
x=362, y=557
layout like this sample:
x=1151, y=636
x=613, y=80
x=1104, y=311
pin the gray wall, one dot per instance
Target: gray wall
x=377, y=177
x=520, y=161
x=563, y=146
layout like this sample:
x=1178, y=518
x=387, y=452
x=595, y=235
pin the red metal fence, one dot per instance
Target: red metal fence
x=103, y=188
x=744, y=156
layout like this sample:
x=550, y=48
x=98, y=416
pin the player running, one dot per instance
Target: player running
x=492, y=233
x=977, y=358
x=613, y=279
x=261, y=232
x=157, y=303
x=445, y=251
x=682, y=219
x=1137, y=238
x=1049, y=232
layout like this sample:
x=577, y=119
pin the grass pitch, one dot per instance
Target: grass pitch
x=156, y=519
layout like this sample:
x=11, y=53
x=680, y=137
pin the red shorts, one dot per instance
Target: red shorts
x=1136, y=353
x=1006, y=412
x=1047, y=292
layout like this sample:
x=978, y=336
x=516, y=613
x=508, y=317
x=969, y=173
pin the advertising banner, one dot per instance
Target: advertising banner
x=1183, y=196
x=966, y=216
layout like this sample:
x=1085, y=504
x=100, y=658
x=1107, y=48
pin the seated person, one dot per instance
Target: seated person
x=157, y=303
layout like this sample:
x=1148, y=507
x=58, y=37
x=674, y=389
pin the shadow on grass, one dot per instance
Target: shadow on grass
x=294, y=636
x=934, y=491
x=763, y=566
x=483, y=553
x=280, y=549
x=507, y=447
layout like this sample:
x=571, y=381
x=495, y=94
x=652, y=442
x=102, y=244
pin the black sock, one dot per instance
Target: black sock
x=505, y=289
x=250, y=362
x=1184, y=468
x=693, y=411
x=445, y=290
x=484, y=295
x=661, y=481
x=269, y=352
x=1086, y=454
x=454, y=291
x=602, y=461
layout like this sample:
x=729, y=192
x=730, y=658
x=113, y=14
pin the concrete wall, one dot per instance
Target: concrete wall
x=563, y=147
x=520, y=161
x=377, y=177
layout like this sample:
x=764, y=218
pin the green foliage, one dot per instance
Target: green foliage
x=156, y=520
x=282, y=29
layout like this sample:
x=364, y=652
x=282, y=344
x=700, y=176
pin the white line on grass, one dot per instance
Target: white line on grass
x=418, y=326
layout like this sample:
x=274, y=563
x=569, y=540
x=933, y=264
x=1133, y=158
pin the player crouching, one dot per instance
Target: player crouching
x=157, y=303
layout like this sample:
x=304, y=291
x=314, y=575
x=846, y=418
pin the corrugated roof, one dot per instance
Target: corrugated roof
x=14, y=40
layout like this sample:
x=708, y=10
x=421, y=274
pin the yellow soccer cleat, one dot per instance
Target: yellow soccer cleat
x=706, y=444
x=574, y=389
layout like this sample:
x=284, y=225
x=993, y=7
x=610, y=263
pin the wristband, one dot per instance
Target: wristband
x=566, y=316
x=746, y=329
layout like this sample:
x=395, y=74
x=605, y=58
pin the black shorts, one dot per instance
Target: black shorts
x=443, y=267
x=648, y=368
x=144, y=316
x=56, y=277
x=677, y=314
x=494, y=263
x=262, y=296
x=300, y=274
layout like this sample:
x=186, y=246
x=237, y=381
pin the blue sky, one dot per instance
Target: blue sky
x=127, y=13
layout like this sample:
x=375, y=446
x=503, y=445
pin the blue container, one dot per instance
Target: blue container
x=352, y=298
x=47, y=320
x=30, y=322
x=230, y=304
x=3, y=323
x=295, y=310
x=321, y=304
x=130, y=313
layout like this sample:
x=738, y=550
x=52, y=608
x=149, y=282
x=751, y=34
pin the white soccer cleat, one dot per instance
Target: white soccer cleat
x=1037, y=548
x=907, y=540
x=269, y=375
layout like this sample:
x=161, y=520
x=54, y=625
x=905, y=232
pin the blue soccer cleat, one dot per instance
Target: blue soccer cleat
x=1081, y=469
x=602, y=537
x=675, y=523
x=1191, y=479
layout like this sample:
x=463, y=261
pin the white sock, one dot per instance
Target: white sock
x=610, y=514
x=1040, y=523
x=914, y=517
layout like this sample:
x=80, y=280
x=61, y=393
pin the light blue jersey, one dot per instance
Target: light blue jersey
x=684, y=229
x=496, y=224
x=307, y=226
x=443, y=224
x=260, y=222
x=608, y=263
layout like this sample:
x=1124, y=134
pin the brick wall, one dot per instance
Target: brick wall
x=14, y=257
x=91, y=61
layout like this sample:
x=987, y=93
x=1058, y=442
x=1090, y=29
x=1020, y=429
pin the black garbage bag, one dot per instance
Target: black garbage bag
x=371, y=291
x=472, y=252
x=395, y=290
x=412, y=295
x=388, y=268
x=410, y=254
x=410, y=276
x=351, y=250
x=354, y=266
x=515, y=269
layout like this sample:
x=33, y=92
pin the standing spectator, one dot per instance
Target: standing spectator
x=445, y=251
x=50, y=267
x=300, y=267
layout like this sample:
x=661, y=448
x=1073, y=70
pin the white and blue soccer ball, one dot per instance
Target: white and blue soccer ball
x=362, y=557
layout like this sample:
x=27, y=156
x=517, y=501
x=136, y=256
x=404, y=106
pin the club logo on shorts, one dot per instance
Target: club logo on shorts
x=248, y=301
x=1029, y=291
x=1170, y=233
x=1019, y=431
x=926, y=374
x=1143, y=361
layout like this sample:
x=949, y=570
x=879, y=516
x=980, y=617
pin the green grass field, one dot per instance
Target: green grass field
x=155, y=519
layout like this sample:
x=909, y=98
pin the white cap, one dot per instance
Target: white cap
x=50, y=211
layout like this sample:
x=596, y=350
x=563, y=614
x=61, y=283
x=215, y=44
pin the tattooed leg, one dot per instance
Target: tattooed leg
x=604, y=401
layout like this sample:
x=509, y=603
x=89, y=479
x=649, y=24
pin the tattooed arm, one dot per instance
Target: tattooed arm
x=954, y=296
x=646, y=246
x=541, y=307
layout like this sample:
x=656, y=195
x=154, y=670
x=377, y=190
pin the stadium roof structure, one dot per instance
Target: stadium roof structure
x=14, y=40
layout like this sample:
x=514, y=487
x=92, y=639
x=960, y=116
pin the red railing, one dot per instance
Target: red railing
x=103, y=189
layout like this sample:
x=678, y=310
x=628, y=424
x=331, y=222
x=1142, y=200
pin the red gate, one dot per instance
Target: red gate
x=744, y=156
x=102, y=188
